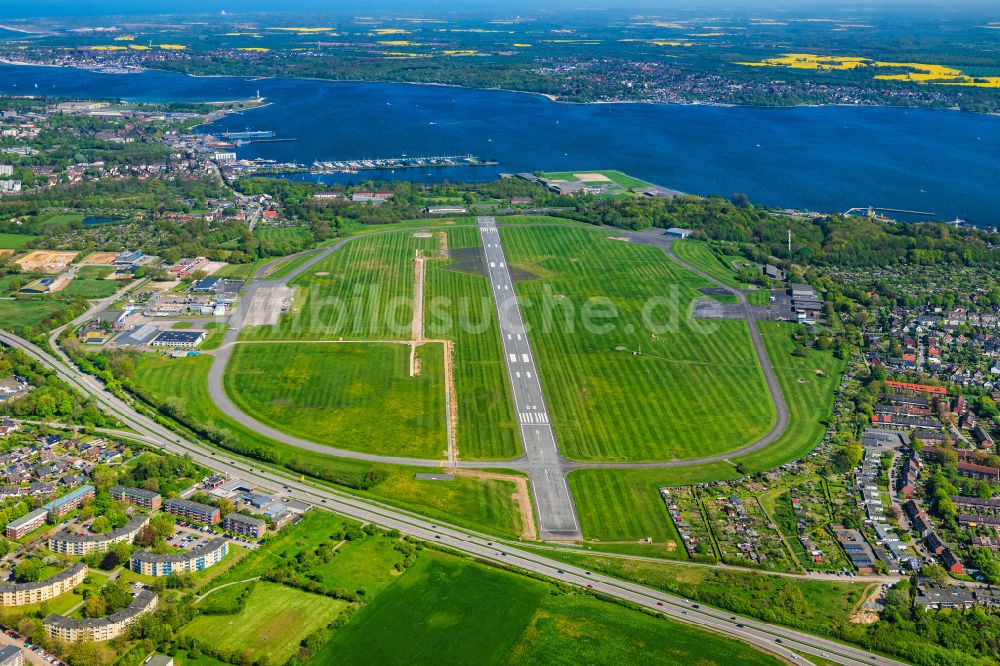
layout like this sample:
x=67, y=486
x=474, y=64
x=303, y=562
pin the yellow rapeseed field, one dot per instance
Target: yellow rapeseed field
x=918, y=72
x=125, y=38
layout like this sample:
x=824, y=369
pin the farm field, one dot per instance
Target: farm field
x=15, y=241
x=436, y=613
x=363, y=291
x=182, y=384
x=695, y=389
x=272, y=624
x=635, y=492
x=458, y=290
x=351, y=396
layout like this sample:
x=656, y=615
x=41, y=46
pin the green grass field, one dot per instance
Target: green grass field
x=285, y=266
x=28, y=312
x=90, y=283
x=63, y=218
x=696, y=389
x=272, y=624
x=364, y=291
x=352, y=396
x=700, y=256
x=14, y=241
x=237, y=271
x=280, y=234
x=486, y=423
x=224, y=599
x=446, y=610
x=476, y=503
x=625, y=505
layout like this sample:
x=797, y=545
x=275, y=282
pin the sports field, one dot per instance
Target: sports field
x=272, y=624
x=356, y=396
x=437, y=612
x=458, y=292
x=618, y=177
x=625, y=505
x=696, y=387
x=483, y=504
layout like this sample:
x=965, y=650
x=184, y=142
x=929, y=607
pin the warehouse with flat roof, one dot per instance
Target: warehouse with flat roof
x=178, y=339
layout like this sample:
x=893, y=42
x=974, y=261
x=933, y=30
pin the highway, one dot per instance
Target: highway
x=776, y=640
x=544, y=465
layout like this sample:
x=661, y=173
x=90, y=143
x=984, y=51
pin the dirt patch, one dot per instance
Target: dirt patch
x=213, y=267
x=443, y=244
x=423, y=234
x=166, y=285
x=861, y=616
x=619, y=238
x=100, y=258
x=321, y=274
x=591, y=178
x=467, y=260
x=46, y=261
x=522, y=496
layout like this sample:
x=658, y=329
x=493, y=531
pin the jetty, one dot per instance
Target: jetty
x=870, y=211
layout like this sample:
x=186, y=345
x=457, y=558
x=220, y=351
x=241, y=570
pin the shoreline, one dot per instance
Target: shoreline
x=548, y=96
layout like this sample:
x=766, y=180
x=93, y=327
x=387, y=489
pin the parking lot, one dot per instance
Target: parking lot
x=188, y=535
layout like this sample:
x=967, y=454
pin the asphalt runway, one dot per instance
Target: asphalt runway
x=553, y=502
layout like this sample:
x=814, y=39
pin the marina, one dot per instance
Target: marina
x=403, y=162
